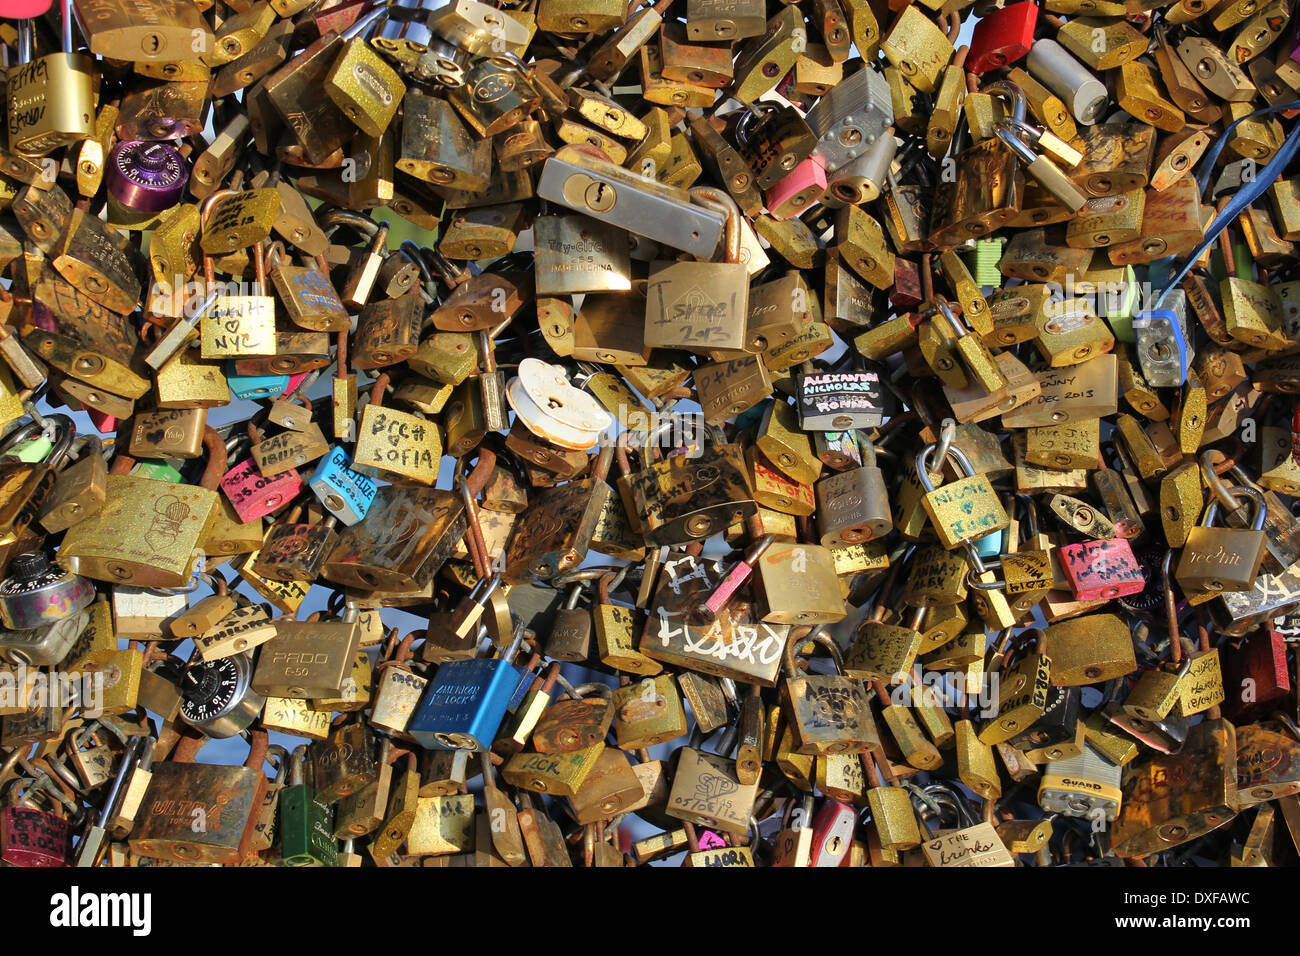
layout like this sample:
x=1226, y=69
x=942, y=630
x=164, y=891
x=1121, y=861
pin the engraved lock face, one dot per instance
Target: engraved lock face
x=556, y=530
x=405, y=538
x=561, y=774
x=828, y=714
x=306, y=660
x=682, y=499
x=988, y=193
x=145, y=534
x=464, y=704
x=295, y=552
x=853, y=507
x=882, y=652
x=707, y=792
x=229, y=798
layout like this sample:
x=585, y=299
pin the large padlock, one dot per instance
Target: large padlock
x=1223, y=559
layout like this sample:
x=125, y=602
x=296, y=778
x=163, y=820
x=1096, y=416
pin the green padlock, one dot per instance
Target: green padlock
x=983, y=263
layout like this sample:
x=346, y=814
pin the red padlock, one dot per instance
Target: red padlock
x=906, y=291
x=31, y=837
x=833, y=828
x=1255, y=676
x=1295, y=432
x=1101, y=570
x=1002, y=37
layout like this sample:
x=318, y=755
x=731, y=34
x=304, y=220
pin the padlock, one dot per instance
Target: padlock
x=827, y=713
x=1217, y=559
x=306, y=819
x=970, y=509
x=33, y=830
x=465, y=702
x=230, y=798
x=50, y=99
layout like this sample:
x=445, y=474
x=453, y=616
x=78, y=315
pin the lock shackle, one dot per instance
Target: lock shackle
x=25, y=41
x=719, y=201
x=116, y=794
x=1019, y=148
x=1261, y=509
x=217, y=459
x=1011, y=92
x=591, y=572
x=331, y=220
x=1215, y=481
x=923, y=463
x=365, y=21
x=428, y=282
x=939, y=305
x=752, y=113
x=509, y=60
x=277, y=756
x=603, y=691
x=1291, y=727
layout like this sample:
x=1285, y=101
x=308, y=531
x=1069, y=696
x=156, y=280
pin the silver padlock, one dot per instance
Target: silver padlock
x=1086, y=786
x=553, y=409
x=851, y=118
x=43, y=646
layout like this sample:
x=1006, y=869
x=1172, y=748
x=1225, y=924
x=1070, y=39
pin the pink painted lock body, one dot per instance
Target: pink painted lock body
x=1101, y=570
x=294, y=381
x=799, y=190
x=725, y=591
x=253, y=495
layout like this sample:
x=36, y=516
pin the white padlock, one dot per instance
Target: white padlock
x=553, y=409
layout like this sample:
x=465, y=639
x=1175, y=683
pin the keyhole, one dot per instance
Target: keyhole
x=599, y=197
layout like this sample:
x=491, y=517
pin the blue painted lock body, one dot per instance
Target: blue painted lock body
x=255, y=386
x=344, y=492
x=464, y=704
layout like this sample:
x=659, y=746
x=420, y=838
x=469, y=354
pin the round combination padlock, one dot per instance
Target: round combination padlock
x=146, y=176
x=38, y=593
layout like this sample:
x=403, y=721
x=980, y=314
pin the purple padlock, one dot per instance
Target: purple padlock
x=146, y=176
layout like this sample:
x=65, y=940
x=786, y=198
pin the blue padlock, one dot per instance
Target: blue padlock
x=465, y=703
x=344, y=492
x=1162, y=345
x=989, y=546
x=255, y=386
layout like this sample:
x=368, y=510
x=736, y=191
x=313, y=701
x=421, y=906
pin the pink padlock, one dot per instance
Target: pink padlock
x=798, y=191
x=1101, y=570
x=294, y=381
x=253, y=495
x=23, y=9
